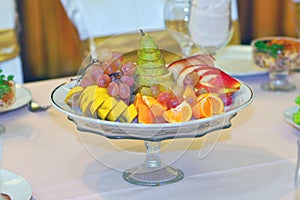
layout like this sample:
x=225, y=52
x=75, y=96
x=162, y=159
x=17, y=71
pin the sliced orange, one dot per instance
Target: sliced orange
x=145, y=115
x=156, y=108
x=208, y=105
x=138, y=100
x=181, y=113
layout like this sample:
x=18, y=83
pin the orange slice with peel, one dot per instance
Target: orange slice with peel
x=208, y=105
x=156, y=108
x=181, y=113
x=138, y=100
x=145, y=115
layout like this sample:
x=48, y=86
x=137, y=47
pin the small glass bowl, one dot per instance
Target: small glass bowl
x=279, y=55
x=9, y=98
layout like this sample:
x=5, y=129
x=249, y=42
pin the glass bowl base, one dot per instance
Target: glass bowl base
x=155, y=177
x=278, y=86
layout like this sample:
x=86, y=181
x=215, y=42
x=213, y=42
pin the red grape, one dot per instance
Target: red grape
x=103, y=80
x=129, y=68
x=96, y=72
x=117, y=58
x=124, y=91
x=110, y=69
x=128, y=80
x=113, y=89
x=164, y=97
x=87, y=80
x=173, y=102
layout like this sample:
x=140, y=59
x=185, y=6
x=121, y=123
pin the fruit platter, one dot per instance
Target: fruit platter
x=138, y=95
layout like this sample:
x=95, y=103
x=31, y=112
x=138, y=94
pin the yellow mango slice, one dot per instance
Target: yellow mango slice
x=99, y=97
x=88, y=93
x=106, y=107
x=129, y=114
x=75, y=89
x=116, y=111
x=73, y=95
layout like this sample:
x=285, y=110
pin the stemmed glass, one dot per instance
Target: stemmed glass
x=210, y=24
x=176, y=16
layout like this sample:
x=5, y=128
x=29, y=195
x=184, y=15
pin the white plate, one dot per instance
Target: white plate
x=288, y=116
x=23, y=96
x=236, y=60
x=15, y=186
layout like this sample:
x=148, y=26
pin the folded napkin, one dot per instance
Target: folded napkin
x=7, y=14
x=108, y=17
x=210, y=22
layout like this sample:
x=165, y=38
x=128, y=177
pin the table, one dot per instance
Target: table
x=254, y=159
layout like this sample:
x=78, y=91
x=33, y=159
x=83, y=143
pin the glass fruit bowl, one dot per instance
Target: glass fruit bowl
x=152, y=172
x=279, y=55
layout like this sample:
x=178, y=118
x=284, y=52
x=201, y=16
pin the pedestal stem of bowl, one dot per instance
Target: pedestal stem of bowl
x=153, y=172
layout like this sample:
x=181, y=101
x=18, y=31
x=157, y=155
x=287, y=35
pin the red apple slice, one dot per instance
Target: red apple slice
x=200, y=59
x=203, y=87
x=222, y=80
x=215, y=83
x=200, y=69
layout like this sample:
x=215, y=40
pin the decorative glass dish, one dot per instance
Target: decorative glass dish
x=279, y=55
x=152, y=172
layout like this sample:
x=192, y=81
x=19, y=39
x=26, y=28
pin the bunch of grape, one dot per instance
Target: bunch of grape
x=109, y=72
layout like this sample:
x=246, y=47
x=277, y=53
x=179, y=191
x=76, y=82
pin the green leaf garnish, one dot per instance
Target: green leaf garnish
x=273, y=50
x=4, y=86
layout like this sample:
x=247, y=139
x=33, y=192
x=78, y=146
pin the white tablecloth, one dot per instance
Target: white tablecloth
x=254, y=159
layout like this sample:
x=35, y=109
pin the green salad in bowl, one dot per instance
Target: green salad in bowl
x=7, y=90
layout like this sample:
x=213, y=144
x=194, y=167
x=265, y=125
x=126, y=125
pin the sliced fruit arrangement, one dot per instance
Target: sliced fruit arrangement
x=149, y=91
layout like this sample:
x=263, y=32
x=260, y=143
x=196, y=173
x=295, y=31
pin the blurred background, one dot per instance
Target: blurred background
x=51, y=47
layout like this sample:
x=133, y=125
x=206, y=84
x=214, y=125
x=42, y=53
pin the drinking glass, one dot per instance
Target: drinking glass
x=210, y=24
x=176, y=16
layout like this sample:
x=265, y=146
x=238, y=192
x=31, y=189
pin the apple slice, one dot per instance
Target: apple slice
x=218, y=78
x=200, y=69
x=211, y=79
x=200, y=59
x=204, y=87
